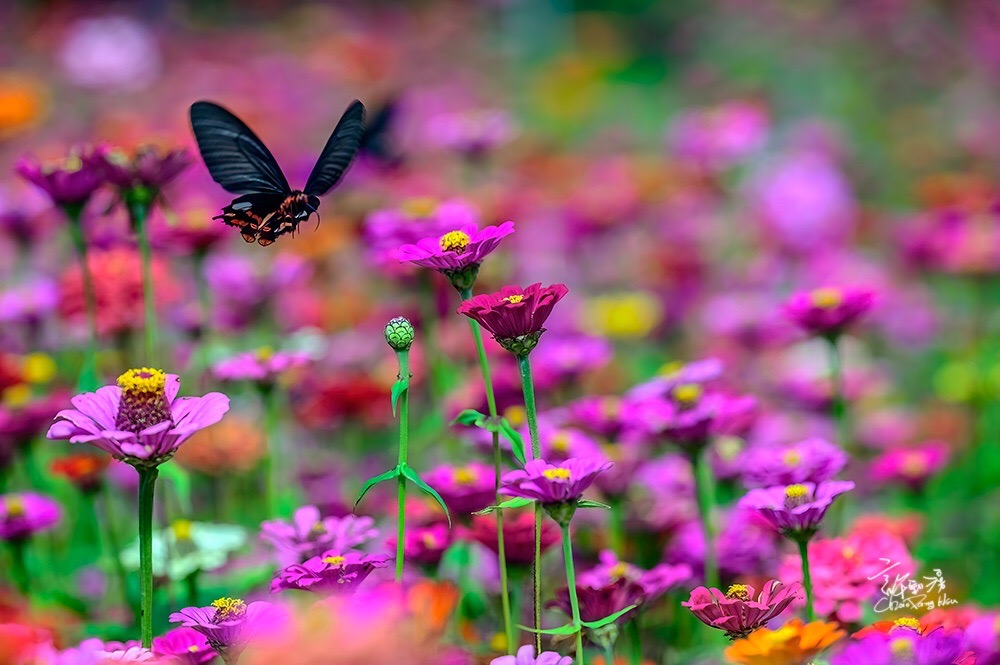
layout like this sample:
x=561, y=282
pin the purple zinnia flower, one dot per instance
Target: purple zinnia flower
x=141, y=420
x=526, y=656
x=553, y=484
x=148, y=167
x=560, y=443
x=425, y=545
x=229, y=624
x=26, y=513
x=828, y=311
x=333, y=572
x=457, y=249
x=654, y=582
x=71, y=181
x=184, y=646
x=739, y=611
x=598, y=602
x=796, y=509
x=465, y=489
x=813, y=460
x=309, y=534
x=263, y=366
x=514, y=316
x=938, y=647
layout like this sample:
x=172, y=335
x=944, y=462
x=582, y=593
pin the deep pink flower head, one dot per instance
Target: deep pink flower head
x=457, y=249
x=332, y=572
x=526, y=656
x=813, y=460
x=653, y=583
x=739, y=611
x=690, y=414
x=551, y=483
x=910, y=465
x=148, y=167
x=983, y=635
x=229, y=624
x=595, y=603
x=518, y=535
x=514, y=316
x=309, y=534
x=559, y=443
x=388, y=229
x=24, y=514
x=903, y=646
x=262, y=366
x=141, y=420
x=466, y=488
x=721, y=136
x=71, y=181
x=830, y=310
x=796, y=509
x=425, y=545
x=184, y=646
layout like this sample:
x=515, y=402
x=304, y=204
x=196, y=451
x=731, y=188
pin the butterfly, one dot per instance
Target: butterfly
x=378, y=143
x=239, y=161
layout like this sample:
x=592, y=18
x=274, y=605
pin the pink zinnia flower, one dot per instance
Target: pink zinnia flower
x=738, y=611
x=458, y=249
x=551, y=483
x=332, y=572
x=828, y=311
x=465, y=489
x=184, y=646
x=813, y=460
x=26, y=513
x=309, y=534
x=71, y=181
x=654, y=582
x=147, y=167
x=262, y=366
x=425, y=545
x=911, y=465
x=526, y=656
x=518, y=535
x=229, y=624
x=798, y=509
x=514, y=316
x=141, y=420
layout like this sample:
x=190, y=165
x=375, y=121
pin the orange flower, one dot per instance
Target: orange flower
x=234, y=445
x=794, y=643
x=22, y=103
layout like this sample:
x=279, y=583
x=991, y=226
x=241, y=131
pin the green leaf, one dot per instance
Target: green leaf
x=568, y=629
x=516, y=442
x=470, y=417
x=398, y=389
x=410, y=474
x=608, y=619
x=375, y=480
x=516, y=502
x=181, y=480
x=587, y=503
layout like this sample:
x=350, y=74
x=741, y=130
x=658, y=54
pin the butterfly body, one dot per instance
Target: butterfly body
x=239, y=161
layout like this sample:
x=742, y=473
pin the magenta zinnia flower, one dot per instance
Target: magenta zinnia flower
x=24, y=514
x=141, y=420
x=263, y=366
x=333, y=572
x=798, y=509
x=229, y=624
x=457, y=253
x=514, y=316
x=526, y=656
x=148, y=167
x=738, y=611
x=183, y=646
x=309, y=534
x=828, y=311
x=71, y=181
x=654, y=582
x=910, y=465
x=810, y=461
x=552, y=484
x=465, y=489
x=425, y=545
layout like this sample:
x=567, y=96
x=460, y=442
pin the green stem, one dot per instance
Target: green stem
x=617, y=524
x=706, y=501
x=803, y=543
x=404, y=373
x=19, y=566
x=609, y=653
x=838, y=406
x=88, y=373
x=574, y=604
x=32, y=469
x=147, y=482
x=191, y=582
x=634, y=642
x=429, y=317
x=484, y=366
x=528, y=388
x=271, y=396
x=139, y=212
x=114, y=552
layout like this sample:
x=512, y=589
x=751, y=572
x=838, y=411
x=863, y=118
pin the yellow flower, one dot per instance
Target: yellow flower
x=625, y=316
x=794, y=643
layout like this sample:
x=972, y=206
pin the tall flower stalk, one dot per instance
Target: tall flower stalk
x=403, y=358
x=803, y=545
x=838, y=399
x=531, y=414
x=147, y=484
x=705, y=488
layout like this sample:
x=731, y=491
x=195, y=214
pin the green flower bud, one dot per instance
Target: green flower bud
x=399, y=333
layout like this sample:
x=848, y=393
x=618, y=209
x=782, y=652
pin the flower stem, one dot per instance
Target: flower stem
x=528, y=388
x=88, y=373
x=404, y=372
x=706, y=492
x=147, y=482
x=609, y=653
x=574, y=604
x=139, y=212
x=191, y=582
x=270, y=395
x=114, y=551
x=19, y=566
x=617, y=524
x=484, y=366
x=634, y=642
x=803, y=543
x=838, y=405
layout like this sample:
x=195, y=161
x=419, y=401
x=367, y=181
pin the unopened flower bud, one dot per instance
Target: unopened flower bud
x=399, y=333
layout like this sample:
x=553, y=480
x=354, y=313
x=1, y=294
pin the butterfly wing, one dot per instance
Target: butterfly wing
x=339, y=151
x=377, y=141
x=254, y=215
x=236, y=158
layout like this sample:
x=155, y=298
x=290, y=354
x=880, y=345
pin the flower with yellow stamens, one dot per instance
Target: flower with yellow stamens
x=795, y=643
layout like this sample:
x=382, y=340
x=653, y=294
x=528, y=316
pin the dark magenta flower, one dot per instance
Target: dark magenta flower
x=24, y=514
x=309, y=534
x=148, y=167
x=262, y=366
x=654, y=582
x=183, y=646
x=828, y=311
x=551, y=483
x=465, y=489
x=141, y=420
x=425, y=545
x=595, y=603
x=813, y=460
x=332, y=572
x=457, y=249
x=796, y=509
x=518, y=535
x=739, y=611
x=526, y=656
x=229, y=624
x=910, y=465
x=514, y=316
x=905, y=646
x=70, y=181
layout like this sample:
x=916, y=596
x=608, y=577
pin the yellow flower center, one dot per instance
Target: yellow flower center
x=15, y=507
x=181, y=529
x=419, y=208
x=429, y=540
x=729, y=447
x=514, y=299
x=73, y=163
x=560, y=441
x=465, y=476
x=455, y=241
x=193, y=648
x=515, y=415
x=334, y=560
x=317, y=529
x=557, y=473
x=688, y=393
x=619, y=570
x=826, y=298
x=796, y=491
x=17, y=395
x=264, y=353
x=38, y=368
x=741, y=591
x=848, y=552
x=143, y=381
x=907, y=622
x=611, y=407
x=901, y=648
x=792, y=457
x=228, y=608
x=914, y=465
x=671, y=368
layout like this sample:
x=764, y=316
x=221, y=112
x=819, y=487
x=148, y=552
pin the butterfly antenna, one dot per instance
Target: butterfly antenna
x=317, y=218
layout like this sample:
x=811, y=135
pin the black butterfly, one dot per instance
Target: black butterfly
x=239, y=161
x=378, y=143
